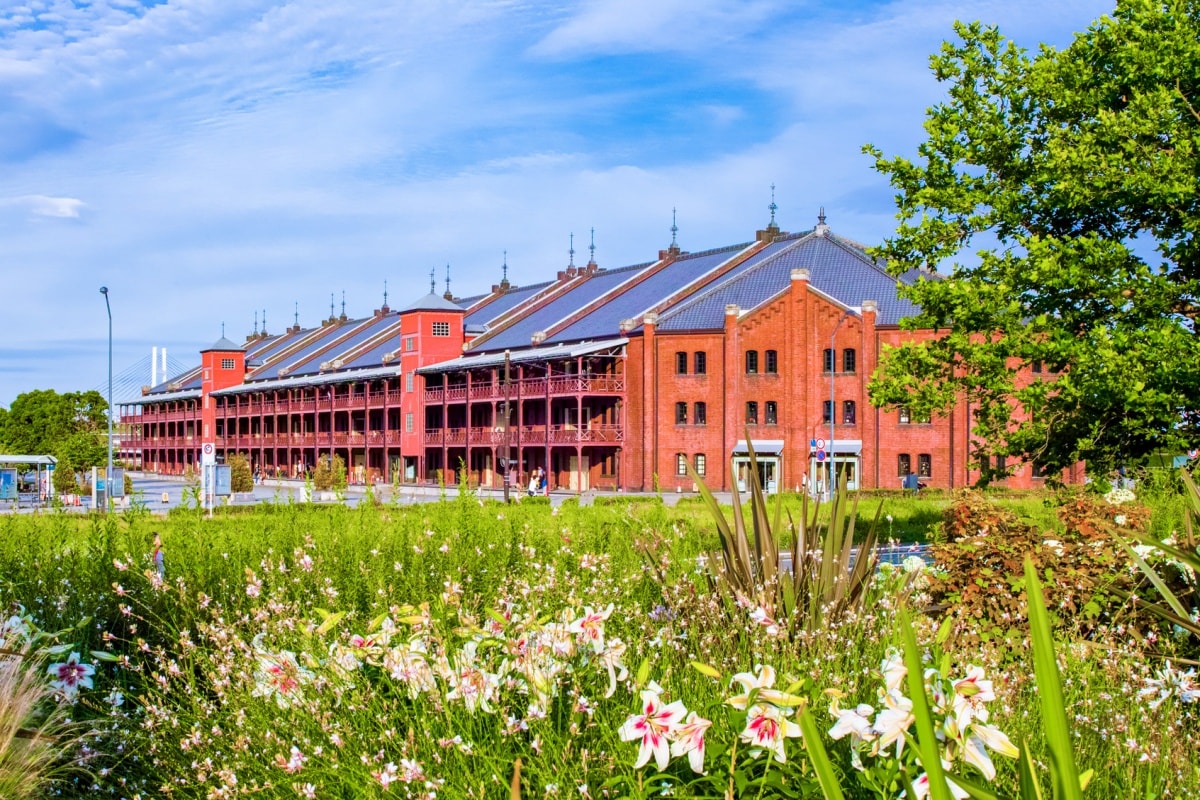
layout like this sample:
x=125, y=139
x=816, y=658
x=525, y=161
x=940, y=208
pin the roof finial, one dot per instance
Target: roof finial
x=592, y=248
x=773, y=208
x=674, y=229
x=822, y=228
x=432, y=282
x=821, y=216
x=296, y=315
x=385, y=305
x=447, y=295
x=343, y=303
x=264, y=327
x=222, y=330
x=504, y=271
x=331, y=305
x=571, y=251
x=256, y=322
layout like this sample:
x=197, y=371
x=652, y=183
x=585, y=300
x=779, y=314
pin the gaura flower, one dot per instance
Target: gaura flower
x=689, y=738
x=70, y=676
x=893, y=670
x=653, y=727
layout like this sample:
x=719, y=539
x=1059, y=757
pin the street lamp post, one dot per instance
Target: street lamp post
x=109, y=472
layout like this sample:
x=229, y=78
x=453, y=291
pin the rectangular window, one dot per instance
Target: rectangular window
x=849, y=360
x=751, y=362
x=700, y=414
x=681, y=360
x=848, y=412
x=1001, y=464
x=681, y=413
x=408, y=422
x=772, y=362
x=924, y=465
x=1037, y=470
x=903, y=464
x=826, y=411
x=905, y=417
x=408, y=382
x=226, y=363
x=410, y=343
x=752, y=413
x=700, y=463
x=830, y=360
x=681, y=463
x=1037, y=368
x=772, y=413
x=700, y=363
x=441, y=329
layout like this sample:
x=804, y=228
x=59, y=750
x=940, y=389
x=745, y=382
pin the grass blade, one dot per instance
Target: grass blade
x=1054, y=710
x=818, y=757
x=926, y=742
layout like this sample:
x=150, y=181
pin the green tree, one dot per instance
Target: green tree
x=241, y=478
x=39, y=422
x=1075, y=173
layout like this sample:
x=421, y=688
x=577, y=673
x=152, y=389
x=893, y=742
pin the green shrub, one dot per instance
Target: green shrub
x=241, y=478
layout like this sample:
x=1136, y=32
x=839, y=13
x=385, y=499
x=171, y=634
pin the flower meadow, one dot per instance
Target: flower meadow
x=478, y=650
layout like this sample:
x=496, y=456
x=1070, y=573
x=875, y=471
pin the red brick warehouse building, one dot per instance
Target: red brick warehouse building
x=618, y=379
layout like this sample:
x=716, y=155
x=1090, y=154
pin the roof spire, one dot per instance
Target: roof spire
x=448, y=295
x=674, y=230
x=773, y=208
x=256, y=322
x=296, y=316
x=222, y=330
x=432, y=282
x=504, y=272
x=264, y=325
x=343, y=303
x=821, y=228
x=592, y=249
x=385, y=305
x=571, y=252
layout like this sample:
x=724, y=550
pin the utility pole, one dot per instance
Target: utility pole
x=504, y=449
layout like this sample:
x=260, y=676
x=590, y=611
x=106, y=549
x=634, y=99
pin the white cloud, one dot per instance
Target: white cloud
x=45, y=206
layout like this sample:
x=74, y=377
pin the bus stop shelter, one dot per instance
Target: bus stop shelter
x=25, y=478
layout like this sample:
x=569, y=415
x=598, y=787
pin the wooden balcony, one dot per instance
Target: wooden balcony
x=558, y=386
x=527, y=435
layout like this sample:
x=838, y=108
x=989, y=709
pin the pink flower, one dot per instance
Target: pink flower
x=653, y=727
x=766, y=728
x=71, y=675
x=590, y=627
x=689, y=738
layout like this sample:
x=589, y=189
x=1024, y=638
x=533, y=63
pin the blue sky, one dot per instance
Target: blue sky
x=208, y=159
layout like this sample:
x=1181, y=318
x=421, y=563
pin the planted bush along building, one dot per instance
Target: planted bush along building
x=617, y=379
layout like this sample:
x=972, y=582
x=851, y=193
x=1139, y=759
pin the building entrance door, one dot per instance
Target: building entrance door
x=770, y=470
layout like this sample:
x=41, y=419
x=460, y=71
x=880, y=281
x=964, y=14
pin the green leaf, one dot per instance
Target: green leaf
x=926, y=739
x=330, y=621
x=101, y=655
x=818, y=757
x=1049, y=683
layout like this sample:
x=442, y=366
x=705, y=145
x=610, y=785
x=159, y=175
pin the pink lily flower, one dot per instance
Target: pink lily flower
x=653, y=727
x=689, y=739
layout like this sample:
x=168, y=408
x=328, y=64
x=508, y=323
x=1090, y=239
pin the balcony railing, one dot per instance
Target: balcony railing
x=559, y=385
x=527, y=435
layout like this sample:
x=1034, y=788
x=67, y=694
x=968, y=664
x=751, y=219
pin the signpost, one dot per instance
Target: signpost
x=208, y=463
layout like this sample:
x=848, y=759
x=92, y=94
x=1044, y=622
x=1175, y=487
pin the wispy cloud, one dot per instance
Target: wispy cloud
x=263, y=153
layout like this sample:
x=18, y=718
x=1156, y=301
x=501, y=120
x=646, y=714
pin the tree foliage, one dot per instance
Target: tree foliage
x=66, y=425
x=1076, y=175
x=241, y=478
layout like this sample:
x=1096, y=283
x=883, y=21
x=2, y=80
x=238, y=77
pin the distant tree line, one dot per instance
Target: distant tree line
x=71, y=427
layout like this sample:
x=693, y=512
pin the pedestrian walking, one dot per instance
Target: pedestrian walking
x=159, y=561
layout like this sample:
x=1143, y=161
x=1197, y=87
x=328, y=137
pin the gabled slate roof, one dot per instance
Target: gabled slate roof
x=433, y=302
x=223, y=345
x=504, y=303
x=560, y=308
x=639, y=298
x=836, y=268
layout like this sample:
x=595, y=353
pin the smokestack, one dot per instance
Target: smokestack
x=154, y=366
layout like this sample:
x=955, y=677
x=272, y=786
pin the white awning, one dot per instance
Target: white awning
x=762, y=447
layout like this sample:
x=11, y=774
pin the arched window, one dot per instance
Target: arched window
x=848, y=412
x=830, y=359
x=924, y=465
x=700, y=363
x=849, y=360
x=903, y=464
x=681, y=464
x=751, y=362
x=700, y=463
x=772, y=413
x=772, y=362
x=751, y=413
x=681, y=360
x=681, y=413
x=700, y=414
